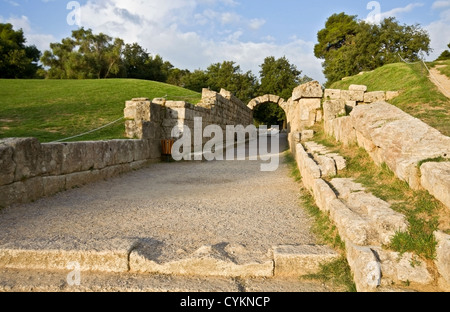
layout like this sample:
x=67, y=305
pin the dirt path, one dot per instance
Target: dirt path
x=440, y=80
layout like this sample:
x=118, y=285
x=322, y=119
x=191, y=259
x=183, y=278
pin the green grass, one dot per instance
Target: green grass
x=55, y=109
x=419, y=96
x=424, y=213
x=337, y=273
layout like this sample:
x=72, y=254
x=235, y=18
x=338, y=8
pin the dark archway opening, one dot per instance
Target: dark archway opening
x=269, y=114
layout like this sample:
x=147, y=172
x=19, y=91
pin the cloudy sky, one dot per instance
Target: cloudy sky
x=193, y=34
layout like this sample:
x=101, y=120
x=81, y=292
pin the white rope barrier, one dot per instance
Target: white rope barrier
x=89, y=132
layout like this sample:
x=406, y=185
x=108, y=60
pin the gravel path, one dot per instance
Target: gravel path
x=179, y=207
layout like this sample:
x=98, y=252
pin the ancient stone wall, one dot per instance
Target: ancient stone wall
x=31, y=170
x=156, y=119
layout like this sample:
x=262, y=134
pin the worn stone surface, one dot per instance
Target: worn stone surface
x=352, y=228
x=365, y=267
x=398, y=139
x=342, y=130
x=376, y=96
x=102, y=256
x=323, y=194
x=7, y=165
x=296, y=261
x=443, y=258
x=332, y=109
x=26, y=156
x=327, y=166
x=332, y=94
x=352, y=95
x=225, y=261
x=384, y=221
x=308, y=90
x=435, y=178
x=362, y=88
x=399, y=268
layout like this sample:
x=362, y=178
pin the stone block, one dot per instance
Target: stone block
x=332, y=94
x=365, y=266
x=307, y=135
x=80, y=179
x=327, y=165
x=137, y=109
x=308, y=90
x=373, y=97
x=310, y=104
x=26, y=156
x=402, y=268
x=323, y=194
x=332, y=109
x=362, y=88
x=352, y=95
x=124, y=153
x=443, y=257
x=401, y=141
x=296, y=261
x=435, y=178
x=51, y=158
x=352, y=228
x=54, y=184
x=7, y=165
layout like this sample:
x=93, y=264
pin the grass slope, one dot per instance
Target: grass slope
x=419, y=98
x=55, y=109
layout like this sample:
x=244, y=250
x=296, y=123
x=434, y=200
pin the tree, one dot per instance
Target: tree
x=228, y=75
x=16, y=59
x=445, y=55
x=139, y=64
x=349, y=46
x=85, y=55
x=196, y=80
x=279, y=77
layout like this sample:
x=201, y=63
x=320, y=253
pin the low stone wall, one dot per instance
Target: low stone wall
x=399, y=140
x=31, y=170
x=365, y=223
x=156, y=119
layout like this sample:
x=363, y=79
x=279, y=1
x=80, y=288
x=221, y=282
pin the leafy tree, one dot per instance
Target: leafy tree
x=139, y=64
x=229, y=76
x=177, y=77
x=16, y=59
x=279, y=77
x=445, y=55
x=349, y=46
x=85, y=55
x=195, y=81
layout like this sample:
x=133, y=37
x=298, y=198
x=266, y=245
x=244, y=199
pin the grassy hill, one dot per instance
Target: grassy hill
x=419, y=98
x=51, y=110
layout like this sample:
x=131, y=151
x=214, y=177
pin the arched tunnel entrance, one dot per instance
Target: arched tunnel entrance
x=268, y=110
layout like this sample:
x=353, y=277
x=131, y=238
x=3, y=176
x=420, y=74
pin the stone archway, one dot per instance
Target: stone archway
x=269, y=98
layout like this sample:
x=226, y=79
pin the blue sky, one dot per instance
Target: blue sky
x=195, y=33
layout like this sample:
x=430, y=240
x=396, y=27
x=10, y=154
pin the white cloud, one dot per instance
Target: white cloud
x=395, y=12
x=439, y=30
x=257, y=23
x=41, y=41
x=440, y=4
x=158, y=26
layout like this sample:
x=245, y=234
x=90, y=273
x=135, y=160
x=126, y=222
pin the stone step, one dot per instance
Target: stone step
x=144, y=257
x=12, y=280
